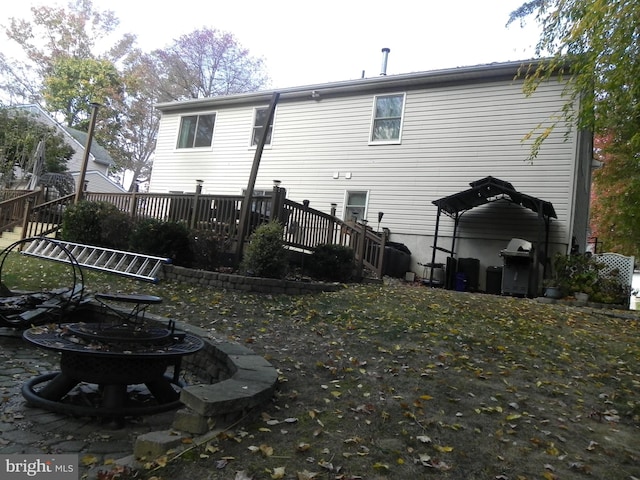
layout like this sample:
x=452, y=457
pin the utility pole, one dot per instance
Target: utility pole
x=87, y=152
x=246, y=203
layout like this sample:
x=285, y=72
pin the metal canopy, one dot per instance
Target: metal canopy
x=490, y=189
x=482, y=192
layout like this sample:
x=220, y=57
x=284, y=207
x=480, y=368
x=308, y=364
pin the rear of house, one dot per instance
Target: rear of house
x=386, y=148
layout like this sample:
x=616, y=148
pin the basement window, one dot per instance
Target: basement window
x=196, y=131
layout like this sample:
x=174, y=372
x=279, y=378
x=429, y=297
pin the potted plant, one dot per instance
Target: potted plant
x=583, y=277
x=553, y=286
x=577, y=275
x=551, y=289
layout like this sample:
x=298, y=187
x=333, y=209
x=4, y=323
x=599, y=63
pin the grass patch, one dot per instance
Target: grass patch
x=400, y=381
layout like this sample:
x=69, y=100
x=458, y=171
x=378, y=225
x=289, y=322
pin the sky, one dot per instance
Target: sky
x=314, y=42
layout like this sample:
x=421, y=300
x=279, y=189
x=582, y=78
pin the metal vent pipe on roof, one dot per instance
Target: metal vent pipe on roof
x=385, y=57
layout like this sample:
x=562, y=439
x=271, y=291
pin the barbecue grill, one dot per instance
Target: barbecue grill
x=518, y=272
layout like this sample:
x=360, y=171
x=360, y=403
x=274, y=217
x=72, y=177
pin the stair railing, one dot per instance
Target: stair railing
x=44, y=219
x=12, y=211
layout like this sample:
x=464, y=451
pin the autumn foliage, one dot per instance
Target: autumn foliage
x=403, y=381
x=616, y=199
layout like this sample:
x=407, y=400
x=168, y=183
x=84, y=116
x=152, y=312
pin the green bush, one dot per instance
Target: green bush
x=265, y=255
x=584, y=273
x=205, y=247
x=116, y=228
x=334, y=263
x=96, y=223
x=162, y=239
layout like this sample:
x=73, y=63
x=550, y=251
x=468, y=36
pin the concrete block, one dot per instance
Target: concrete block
x=225, y=397
x=186, y=420
x=155, y=444
x=247, y=362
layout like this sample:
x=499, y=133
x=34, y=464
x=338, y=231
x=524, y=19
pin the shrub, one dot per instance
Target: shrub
x=332, y=262
x=162, y=239
x=584, y=273
x=265, y=255
x=96, y=223
x=205, y=247
x=115, y=229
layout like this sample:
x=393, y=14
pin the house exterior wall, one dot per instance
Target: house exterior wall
x=74, y=164
x=453, y=133
x=98, y=182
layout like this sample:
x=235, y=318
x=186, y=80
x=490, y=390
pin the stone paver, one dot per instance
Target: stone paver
x=28, y=429
x=25, y=429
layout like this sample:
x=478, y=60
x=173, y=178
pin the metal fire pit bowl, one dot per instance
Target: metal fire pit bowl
x=113, y=365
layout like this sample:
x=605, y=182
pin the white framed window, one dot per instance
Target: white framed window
x=386, y=122
x=355, y=205
x=259, y=121
x=196, y=131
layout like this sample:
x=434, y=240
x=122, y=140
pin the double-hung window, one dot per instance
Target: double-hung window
x=259, y=123
x=386, y=125
x=196, y=131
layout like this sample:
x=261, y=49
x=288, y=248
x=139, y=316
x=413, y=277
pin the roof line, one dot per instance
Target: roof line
x=467, y=74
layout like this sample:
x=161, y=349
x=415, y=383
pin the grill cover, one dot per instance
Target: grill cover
x=518, y=247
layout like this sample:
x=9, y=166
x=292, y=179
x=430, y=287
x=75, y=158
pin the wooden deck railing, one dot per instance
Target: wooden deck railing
x=304, y=228
x=12, y=207
x=46, y=218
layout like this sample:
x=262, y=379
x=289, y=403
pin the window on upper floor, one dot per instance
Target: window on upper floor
x=386, y=125
x=259, y=122
x=196, y=131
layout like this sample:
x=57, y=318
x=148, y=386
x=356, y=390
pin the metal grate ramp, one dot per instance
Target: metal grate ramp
x=134, y=265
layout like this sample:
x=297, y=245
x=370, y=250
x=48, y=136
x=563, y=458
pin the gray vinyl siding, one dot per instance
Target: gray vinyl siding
x=97, y=182
x=452, y=135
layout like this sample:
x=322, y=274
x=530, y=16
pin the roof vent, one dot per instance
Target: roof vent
x=385, y=57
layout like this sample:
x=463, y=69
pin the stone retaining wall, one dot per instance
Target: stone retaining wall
x=231, y=380
x=243, y=283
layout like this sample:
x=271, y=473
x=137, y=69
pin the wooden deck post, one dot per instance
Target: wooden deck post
x=332, y=224
x=361, y=232
x=28, y=205
x=194, y=205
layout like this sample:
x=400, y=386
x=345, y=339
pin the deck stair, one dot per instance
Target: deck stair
x=134, y=265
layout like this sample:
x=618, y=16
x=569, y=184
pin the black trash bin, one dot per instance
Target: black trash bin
x=397, y=260
x=494, y=280
x=471, y=268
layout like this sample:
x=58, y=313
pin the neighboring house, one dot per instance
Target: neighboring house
x=96, y=177
x=394, y=144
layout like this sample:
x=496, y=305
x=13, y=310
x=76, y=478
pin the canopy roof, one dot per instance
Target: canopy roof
x=490, y=189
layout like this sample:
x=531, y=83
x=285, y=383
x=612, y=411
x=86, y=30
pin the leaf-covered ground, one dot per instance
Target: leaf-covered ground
x=402, y=381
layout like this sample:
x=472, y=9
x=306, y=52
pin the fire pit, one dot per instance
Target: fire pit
x=113, y=355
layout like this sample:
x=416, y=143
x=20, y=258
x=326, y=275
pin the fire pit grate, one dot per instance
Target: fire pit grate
x=97, y=356
x=114, y=335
